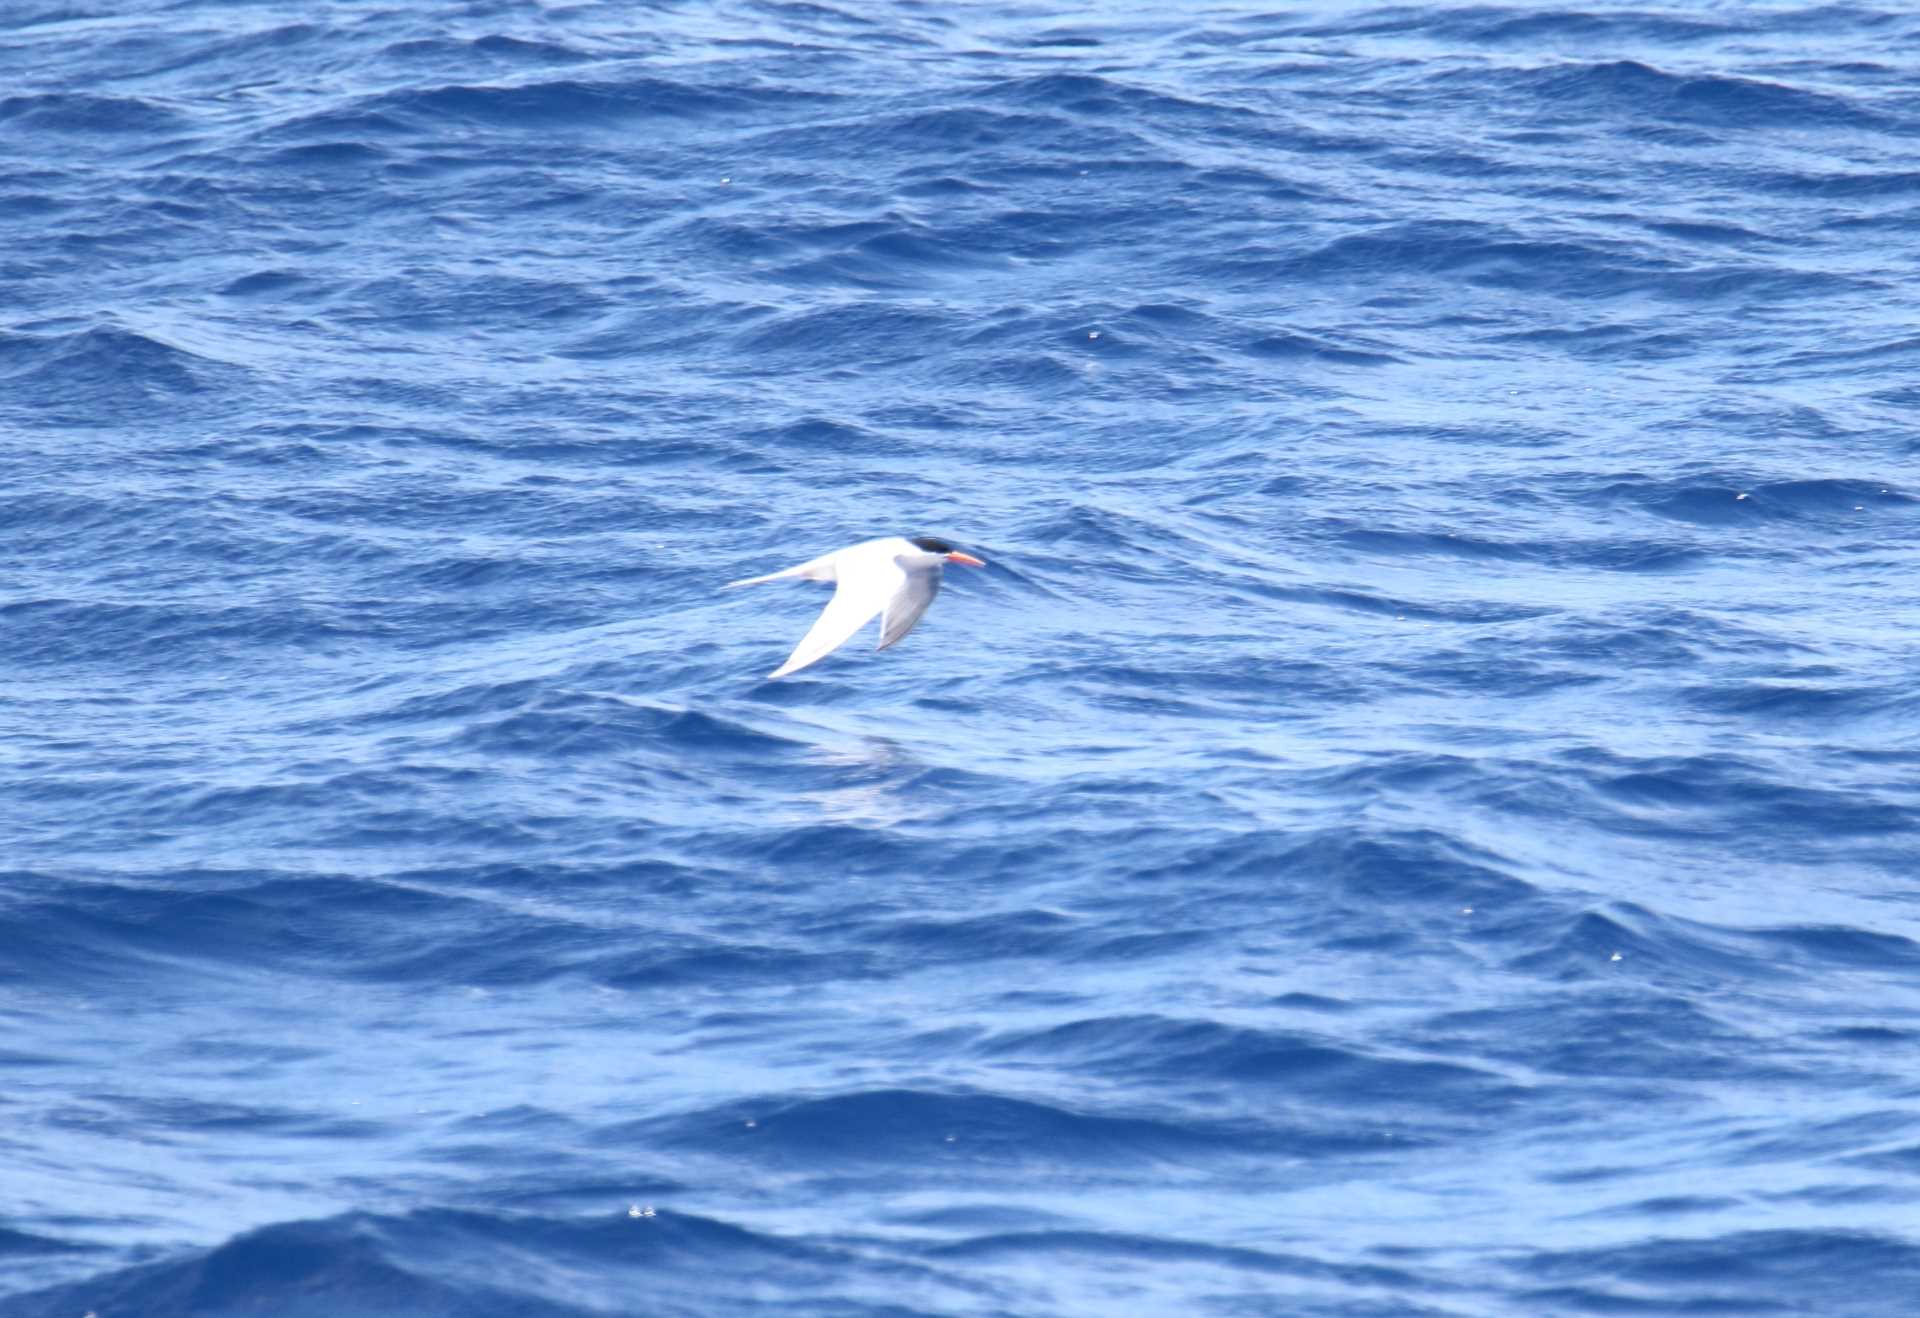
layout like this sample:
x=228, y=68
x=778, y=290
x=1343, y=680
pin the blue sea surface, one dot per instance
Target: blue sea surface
x=1420, y=814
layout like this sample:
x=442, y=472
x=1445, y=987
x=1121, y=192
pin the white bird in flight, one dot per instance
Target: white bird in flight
x=894, y=577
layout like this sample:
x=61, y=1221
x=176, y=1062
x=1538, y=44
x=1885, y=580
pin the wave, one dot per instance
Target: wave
x=897, y=1128
x=1162, y=1051
x=84, y=115
x=114, y=368
x=1793, y=1269
x=497, y=48
x=1090, y=95
x=363, y=1265
x=577, y=104
x=1828, y=501
x=1635, y=91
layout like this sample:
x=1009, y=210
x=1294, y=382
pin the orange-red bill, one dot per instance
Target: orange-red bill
x=957, y=557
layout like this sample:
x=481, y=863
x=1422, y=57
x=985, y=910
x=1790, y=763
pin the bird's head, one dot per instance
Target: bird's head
x=933, y=545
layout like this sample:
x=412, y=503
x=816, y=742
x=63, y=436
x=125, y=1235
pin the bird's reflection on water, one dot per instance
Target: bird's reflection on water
x=872, y=781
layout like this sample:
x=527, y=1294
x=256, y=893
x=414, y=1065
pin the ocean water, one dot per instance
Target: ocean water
x=1419, y=816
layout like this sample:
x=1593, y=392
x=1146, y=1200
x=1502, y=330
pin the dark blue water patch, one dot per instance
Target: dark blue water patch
x=429, y=1263
x=242, y=1059
x=846, y=849
x=898, y=1128
x=1739, y=1272
x=1834, y=947
x=1834, y=1141
x=494, y=953
x=945, y=185
x=364, y=124
x=1424, y=253
x=1167, y=1053
x=917, y=245
x=1859, y=184
x=116, y=370
x=1624, y=1038
x=583, y=723
x=1139, y=949
x=298, y=924
x=1357, y=601
x=21, y=198
x=1903, y=1160
x=48, y=519
x=1607, y=342
x=1874, y=1036
x=345, y=929
x=1823, y=500
x=1475, y=253
x=1040, y=934
x=1701, y=794
x=90, y=632
x=982, y=1217
x=482, y=708
x=1061, y=38
x=1165, y=1251
x=83, y=117
x=1375, y=773
x=1418, y=866
x=894, y=254
x=1635, y=91
x=1258, y=891
x=503, y=51
x=1774, y=700
x=1813, y=21
x=1090, y=96
x=829, y=336
x=266, y=283
x=333, y=156
x=1577, y=31
x=1258, y=186
x=574, y=1187
x=247, y=57
x=715, y=964
x=11, y=1060
x=650, y=333
x=1298, y=347
x=1697, y=502
x=596, y=885
x=1445, y=543
x=1640, y=639
x=441, y=301
x=211, y=1119
x=573, y=106
x=1671, y=1206
x=1894, y=355
x=981, y=139
x=826, y=435
x=1709, y=233
x=1624, y=942
x=1640, y=556
x=18, y=1244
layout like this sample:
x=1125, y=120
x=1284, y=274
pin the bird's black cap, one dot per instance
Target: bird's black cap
x=931, y=545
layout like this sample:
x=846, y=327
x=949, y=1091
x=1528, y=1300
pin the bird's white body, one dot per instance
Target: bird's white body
x=892, y=577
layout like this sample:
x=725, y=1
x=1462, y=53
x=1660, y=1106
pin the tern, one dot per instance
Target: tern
x=893, y=576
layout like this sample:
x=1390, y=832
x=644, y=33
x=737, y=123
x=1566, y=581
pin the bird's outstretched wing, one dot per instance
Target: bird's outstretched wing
x=906, y=605
x=855, y=600
x=814, y=569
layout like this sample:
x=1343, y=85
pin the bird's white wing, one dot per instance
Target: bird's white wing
x=814, y=569
x=859, y=596
x=916, y=592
